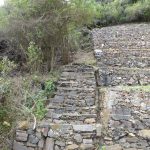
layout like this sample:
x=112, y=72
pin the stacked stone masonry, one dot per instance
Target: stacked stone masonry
x=124, y=81
x=71, y=121
x=127, y=122
x=125, y=60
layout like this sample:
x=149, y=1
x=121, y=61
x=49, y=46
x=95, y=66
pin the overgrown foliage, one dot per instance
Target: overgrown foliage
x=49, y=28
x=6, y=66
x=22, y=99
x=45, y=32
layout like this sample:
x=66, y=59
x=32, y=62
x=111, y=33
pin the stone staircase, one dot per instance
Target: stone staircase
x=71, y=122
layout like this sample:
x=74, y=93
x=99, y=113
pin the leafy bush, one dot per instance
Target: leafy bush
x=34, y=57
x=35, y=94
x=6, y=66
x=49, y=88
x=8, y=112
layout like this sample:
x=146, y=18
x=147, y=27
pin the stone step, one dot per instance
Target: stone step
x=73, y=94
x=73, y=103
x=70, y=116
x=70, y=108
x=70, y=83
x=89, y=102
x=124, y=69
x=79, y=68
x=77, y=76
x=65, y=73
x=126, y=52
x=76, y=127
x=123, y=38
x=66, y=89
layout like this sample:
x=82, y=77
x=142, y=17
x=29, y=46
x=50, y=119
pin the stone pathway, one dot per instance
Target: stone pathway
x=72, y=121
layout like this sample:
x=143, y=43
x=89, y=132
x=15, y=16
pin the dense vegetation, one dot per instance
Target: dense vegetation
x=122, y=11
x=44, y=29
x=22, y=99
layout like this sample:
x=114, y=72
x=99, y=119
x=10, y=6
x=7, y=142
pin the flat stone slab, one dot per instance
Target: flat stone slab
x=72, y=147
x=19, y=146
x=84, y=128
x=49, y=144
x=145, y=133
x=21, y=136
x=114, y=147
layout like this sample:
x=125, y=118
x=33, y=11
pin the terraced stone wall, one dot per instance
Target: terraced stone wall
x=126, y=119
x=123, y=76
x=124, y=59
x=124, y=81
x=128, y=36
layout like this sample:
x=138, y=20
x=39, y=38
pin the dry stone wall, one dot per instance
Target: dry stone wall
x=124, y=59
x=124, y=81
x=128, y=123
x=128, y=36
x=109, y=76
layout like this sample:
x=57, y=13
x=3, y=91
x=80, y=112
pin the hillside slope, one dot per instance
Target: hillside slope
x=106, y=106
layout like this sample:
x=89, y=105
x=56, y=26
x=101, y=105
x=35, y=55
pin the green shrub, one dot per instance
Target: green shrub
x=35, y=98
x=34, y=57
x=6, y=66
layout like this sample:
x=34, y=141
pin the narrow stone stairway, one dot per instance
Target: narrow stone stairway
x=71, y=122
